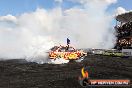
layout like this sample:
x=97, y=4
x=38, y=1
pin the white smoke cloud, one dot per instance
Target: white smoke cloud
x=60, y=1
x=95, y=1
x=8, y=18
x=120, y=10
x=32, y=34
x=25, y=36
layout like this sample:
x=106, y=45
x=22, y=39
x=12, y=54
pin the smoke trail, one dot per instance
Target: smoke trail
x=32, y=34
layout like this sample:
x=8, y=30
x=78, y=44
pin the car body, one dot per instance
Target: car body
x=68, y=54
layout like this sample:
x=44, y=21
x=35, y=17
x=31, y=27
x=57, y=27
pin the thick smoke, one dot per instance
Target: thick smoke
x=88, y=25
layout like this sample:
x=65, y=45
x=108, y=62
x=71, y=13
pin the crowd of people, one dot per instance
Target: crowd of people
x=123, y=44
x=124, y=35
x=124, y=30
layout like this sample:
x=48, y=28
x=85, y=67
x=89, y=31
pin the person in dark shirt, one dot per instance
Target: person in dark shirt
x=68, y=42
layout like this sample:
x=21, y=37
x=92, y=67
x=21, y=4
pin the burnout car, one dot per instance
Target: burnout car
x=66, y=52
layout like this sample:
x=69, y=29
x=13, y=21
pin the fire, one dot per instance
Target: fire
x=84, y=73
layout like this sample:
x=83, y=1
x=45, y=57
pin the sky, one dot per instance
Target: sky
x=17, y=7
x=127, y=4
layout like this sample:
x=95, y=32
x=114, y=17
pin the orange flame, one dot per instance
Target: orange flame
x=84, y=73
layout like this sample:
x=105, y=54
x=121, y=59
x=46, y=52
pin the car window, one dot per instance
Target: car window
x=71, y=49
x=63, y=49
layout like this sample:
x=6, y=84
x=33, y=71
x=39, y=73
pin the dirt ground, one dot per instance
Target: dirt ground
x=22, y=74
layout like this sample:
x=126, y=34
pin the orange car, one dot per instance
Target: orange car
x=67, y=53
